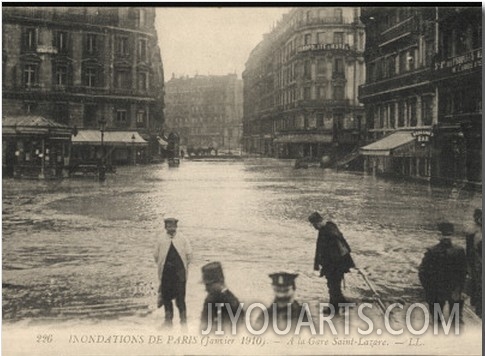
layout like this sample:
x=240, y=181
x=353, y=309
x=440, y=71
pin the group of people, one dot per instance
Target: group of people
x=442, y=274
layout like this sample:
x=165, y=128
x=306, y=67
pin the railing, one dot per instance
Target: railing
x=407, y=26
x=324, y=47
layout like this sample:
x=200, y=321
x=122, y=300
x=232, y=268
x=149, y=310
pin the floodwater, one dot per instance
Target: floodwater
x=80, y=249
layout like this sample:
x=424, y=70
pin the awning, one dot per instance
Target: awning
x=162, y=142
x=111, y=138
x=34, y=125
x=386, y=145
x=304, y=138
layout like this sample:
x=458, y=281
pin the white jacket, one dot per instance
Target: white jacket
x=182, y=246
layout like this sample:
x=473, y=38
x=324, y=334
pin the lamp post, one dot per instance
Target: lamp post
x=133, y=138
x=102, y=167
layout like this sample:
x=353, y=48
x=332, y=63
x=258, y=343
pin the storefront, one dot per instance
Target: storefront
x=35, y=147
x=303, y=145
x=402, y=153
x=115, y=147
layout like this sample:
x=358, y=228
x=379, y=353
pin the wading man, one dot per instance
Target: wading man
x=221, y=305
x=173, y=255
x=332, y=258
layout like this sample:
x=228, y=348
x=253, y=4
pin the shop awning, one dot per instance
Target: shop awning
x=111, y=138
x=386, y=145
x=304, y=138
x=34, y=125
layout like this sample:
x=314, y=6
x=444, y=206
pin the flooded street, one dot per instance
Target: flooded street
x=80, y=249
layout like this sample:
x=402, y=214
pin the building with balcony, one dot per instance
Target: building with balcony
x=457, y=75
x=78, y=66
x=301, y=83
x=417, y=73
x=206, y=111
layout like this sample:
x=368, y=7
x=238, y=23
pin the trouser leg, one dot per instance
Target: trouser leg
x=180, y=302
x=334, y=283
x=168, y=305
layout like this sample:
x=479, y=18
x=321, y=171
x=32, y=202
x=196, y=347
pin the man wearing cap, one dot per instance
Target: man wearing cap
x=332, y=258
x=284, y=309
x=172, y=255
x=219, y=299
x=442, y=272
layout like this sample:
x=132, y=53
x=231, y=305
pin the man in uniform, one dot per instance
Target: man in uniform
x=217, y=294
x=284, y=309
x=172, y=255
x=332, y=258
x=442, y=272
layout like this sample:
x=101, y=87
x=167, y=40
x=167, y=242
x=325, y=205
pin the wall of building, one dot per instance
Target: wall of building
x=67, y=64
x=205, y=110
x=302, y=79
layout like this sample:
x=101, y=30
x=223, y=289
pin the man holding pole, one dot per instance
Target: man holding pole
x=332, y=258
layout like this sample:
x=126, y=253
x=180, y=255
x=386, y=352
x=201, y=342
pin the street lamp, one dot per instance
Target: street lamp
x=102, y=167
x=133, y=138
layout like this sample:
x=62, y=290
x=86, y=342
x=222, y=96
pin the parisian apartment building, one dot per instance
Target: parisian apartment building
x=96, y=71
x=80, y=65
x=301, y=85
x=422, y=94
x=205, y=111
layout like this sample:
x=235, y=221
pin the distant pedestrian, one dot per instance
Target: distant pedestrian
x=332, y=258
x=182, y=154
x=219, y=299
x=284, y=309
x=442, y=272
x=172, y=255
x=474, y=257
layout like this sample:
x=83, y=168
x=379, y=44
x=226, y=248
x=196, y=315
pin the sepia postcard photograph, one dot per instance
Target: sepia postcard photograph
x=241, y=179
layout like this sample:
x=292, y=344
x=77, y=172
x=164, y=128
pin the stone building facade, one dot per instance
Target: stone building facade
x=422, y=93
x=80, y=65
x=301, y=84
x=206, y=111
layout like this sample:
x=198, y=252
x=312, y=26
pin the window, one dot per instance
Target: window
x=123, y=79
x=427, y=110
x=61, y=113
x=339, y=65
x=400, y=114
x=402, y=62
x=320, y=121
x=307, y=93
x=142, y=50
x=411, y=114
x=308, y=38
x=321, y=67
x=338, y=92
x=91, y=43
x=30, y=75
x=141, y=18
x=121, y=118
x=308, y=16
x=61, y=75
x=122, y=46
x=61, y=42
x=321, y=92
x=338, y=37
x=90, y=116
x=140, y=118
x=30, y=39
x=90, y=77
x=143, y=81
x=321, y=37
x=338, y=15
x=307, y=70
x=428, y=52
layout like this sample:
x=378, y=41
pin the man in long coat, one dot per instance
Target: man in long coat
x=332, y=258
x=172, y=255
x=443, y=271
